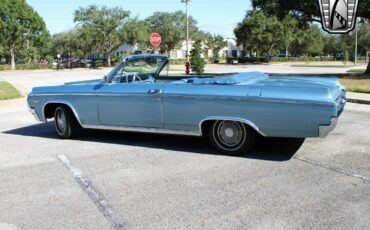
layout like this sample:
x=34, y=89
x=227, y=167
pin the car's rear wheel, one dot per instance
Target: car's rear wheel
x=231, y=137
x=65, y=122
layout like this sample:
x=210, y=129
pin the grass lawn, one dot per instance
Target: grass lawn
x=356, y=83
x=7, y=91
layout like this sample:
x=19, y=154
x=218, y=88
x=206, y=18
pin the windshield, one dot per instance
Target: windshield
x=144, y=65
x=139, y=68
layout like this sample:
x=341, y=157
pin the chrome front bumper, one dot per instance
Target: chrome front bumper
x=324, y=130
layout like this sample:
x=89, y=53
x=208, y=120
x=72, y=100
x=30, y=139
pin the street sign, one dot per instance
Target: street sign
x=155, y=39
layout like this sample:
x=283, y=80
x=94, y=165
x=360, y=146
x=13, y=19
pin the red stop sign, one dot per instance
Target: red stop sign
x=155, y=39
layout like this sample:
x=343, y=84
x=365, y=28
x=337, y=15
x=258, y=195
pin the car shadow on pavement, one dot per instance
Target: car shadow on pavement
x=270, y=149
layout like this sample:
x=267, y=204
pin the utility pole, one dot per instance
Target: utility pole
x=187, y=65
x=356, y=43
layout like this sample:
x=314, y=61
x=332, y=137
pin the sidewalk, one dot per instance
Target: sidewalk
x=361, y=98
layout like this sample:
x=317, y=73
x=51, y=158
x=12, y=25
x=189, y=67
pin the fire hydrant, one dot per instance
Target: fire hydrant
x=187, y=68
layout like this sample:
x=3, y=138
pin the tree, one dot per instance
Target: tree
x=172, y=27
x=334, y=45
x=2, y=53
x=216, y=43
x=309, y=42
x=258, y=31
x=197, y=63
x=28, y=54
x=364, y=38
x=73, y=43
x=136, y=32
x=305, y=10
x=313, y=41
x=19, y=24
x=290, y=29
x=103, y=24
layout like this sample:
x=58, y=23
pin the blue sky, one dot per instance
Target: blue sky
x=215, y=16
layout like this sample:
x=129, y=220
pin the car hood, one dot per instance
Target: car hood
x=80, y=87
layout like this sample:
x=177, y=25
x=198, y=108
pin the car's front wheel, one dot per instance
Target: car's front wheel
x=65, y=122
x=231, y=137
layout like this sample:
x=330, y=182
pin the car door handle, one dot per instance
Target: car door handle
x=154, y=91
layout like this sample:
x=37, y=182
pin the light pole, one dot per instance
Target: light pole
x=356, y=43
x=187, y=65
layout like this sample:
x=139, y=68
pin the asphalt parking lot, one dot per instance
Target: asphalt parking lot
x=104, y=180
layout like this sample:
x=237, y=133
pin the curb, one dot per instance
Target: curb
x=358, y=101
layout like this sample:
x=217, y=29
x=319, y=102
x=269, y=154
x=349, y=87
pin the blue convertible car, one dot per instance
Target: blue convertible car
x=229, y=110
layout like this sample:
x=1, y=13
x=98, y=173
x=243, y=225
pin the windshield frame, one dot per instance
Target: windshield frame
x=121, y=65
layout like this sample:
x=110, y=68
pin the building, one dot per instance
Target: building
x=231, y=50
x=125, y=48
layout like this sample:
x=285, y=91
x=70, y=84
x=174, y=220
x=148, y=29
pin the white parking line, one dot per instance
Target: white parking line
x=332, y=168
x=99, y=200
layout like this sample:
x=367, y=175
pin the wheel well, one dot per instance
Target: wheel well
x=50, y=108
x=205, y=125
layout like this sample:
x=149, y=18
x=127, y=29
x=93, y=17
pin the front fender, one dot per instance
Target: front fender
x=62, y=102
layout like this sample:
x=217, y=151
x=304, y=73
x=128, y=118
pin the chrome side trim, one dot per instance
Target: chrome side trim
x=101, y=95
x=128, y=94
x=245, y=121
x=251, y=99
x=142, y=130
x=324, y=130
x=62, y=94
x=64, y=103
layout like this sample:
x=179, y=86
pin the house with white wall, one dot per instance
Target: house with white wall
x=231, y=50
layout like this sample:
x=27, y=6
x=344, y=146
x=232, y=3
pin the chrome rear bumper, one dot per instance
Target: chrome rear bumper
x=324, y=130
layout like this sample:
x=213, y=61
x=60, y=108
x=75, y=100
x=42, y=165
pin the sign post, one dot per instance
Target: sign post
x=187, y=64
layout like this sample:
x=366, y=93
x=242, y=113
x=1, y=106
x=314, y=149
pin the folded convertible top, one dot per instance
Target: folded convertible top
x=229, y=80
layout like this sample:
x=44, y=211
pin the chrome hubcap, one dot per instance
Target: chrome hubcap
x=61, y=121
x=230, y=134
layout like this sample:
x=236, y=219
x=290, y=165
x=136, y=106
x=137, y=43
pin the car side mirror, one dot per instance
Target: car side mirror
x=105, y=78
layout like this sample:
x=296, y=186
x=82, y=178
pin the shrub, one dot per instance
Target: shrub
x=32, y=66
x=301, y=59
x=218, y=60
x=230, y=60
x=99, y=63
x=346, y=57
x=115, y=60
x=222, y=60
x=49, y=58
x=177, y=61
x=5, y=67
x=197, y=63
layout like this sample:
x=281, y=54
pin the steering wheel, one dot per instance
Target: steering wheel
x=136, y=77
